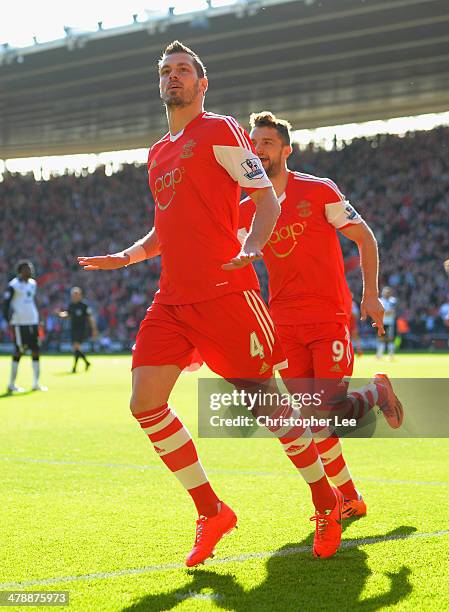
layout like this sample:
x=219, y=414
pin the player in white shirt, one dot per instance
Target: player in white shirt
x=20, y=311
x=389, y=302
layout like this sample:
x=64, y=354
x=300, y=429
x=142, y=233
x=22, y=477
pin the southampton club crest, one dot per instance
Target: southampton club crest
x=253, y=168
x=187, y=149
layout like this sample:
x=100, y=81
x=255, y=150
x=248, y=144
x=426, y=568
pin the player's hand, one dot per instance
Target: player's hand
x=371, y=306
x=104, y=262
x=446, y=266
x=245, y=257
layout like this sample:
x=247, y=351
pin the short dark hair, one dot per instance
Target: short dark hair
x=22, y=263
x=267, y=119
x=178, y=47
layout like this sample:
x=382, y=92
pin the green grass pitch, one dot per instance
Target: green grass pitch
x=86, y=506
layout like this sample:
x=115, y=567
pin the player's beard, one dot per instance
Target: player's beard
x=273, y=167
x=181, y=98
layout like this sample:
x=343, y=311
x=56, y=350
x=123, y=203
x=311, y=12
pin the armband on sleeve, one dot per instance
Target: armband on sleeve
x=340, y=214
x=242, y=165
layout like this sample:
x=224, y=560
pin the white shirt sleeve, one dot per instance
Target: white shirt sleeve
x=341, y=213
x=242, y=165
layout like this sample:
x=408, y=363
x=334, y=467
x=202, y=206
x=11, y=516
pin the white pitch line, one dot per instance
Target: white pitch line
x=81, y=463
x=293, y=474
x=294, y=550
x=432, y=483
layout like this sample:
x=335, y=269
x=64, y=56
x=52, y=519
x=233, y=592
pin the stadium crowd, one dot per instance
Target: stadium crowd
x=399, y=184
x=401, y=187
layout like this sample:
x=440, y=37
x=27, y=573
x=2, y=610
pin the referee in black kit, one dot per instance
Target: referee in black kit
x=82, y=325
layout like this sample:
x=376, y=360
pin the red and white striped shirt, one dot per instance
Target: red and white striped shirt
x=196, y=177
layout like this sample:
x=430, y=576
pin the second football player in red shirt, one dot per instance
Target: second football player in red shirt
x=310, y=301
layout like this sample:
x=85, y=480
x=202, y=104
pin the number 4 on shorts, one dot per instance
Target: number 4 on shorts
x=255, y=346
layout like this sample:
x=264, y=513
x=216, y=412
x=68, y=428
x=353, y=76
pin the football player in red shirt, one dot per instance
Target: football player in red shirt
x=310, y=301
x=208, y=300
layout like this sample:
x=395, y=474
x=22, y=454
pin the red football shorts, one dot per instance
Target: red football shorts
x=317, y=350
x=233, y=334
x=323, y=354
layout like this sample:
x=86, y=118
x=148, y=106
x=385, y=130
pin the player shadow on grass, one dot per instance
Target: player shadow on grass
x=11, y=395
x=65, y=373
x=294, y=581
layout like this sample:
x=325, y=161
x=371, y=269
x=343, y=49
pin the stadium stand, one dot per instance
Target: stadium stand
x=399, y=184
x=315, y=62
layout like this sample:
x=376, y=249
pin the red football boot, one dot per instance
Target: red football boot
x=209, y=531
x=388, y=402
x=353, y=507
x=328, y=529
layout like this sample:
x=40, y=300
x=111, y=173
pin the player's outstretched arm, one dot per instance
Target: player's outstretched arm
x=267, y=212
x=446, y=266
x=9, y=294
x=145, y=248
x=370, y=305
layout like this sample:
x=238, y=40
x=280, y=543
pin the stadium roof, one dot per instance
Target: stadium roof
x=313, y=62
